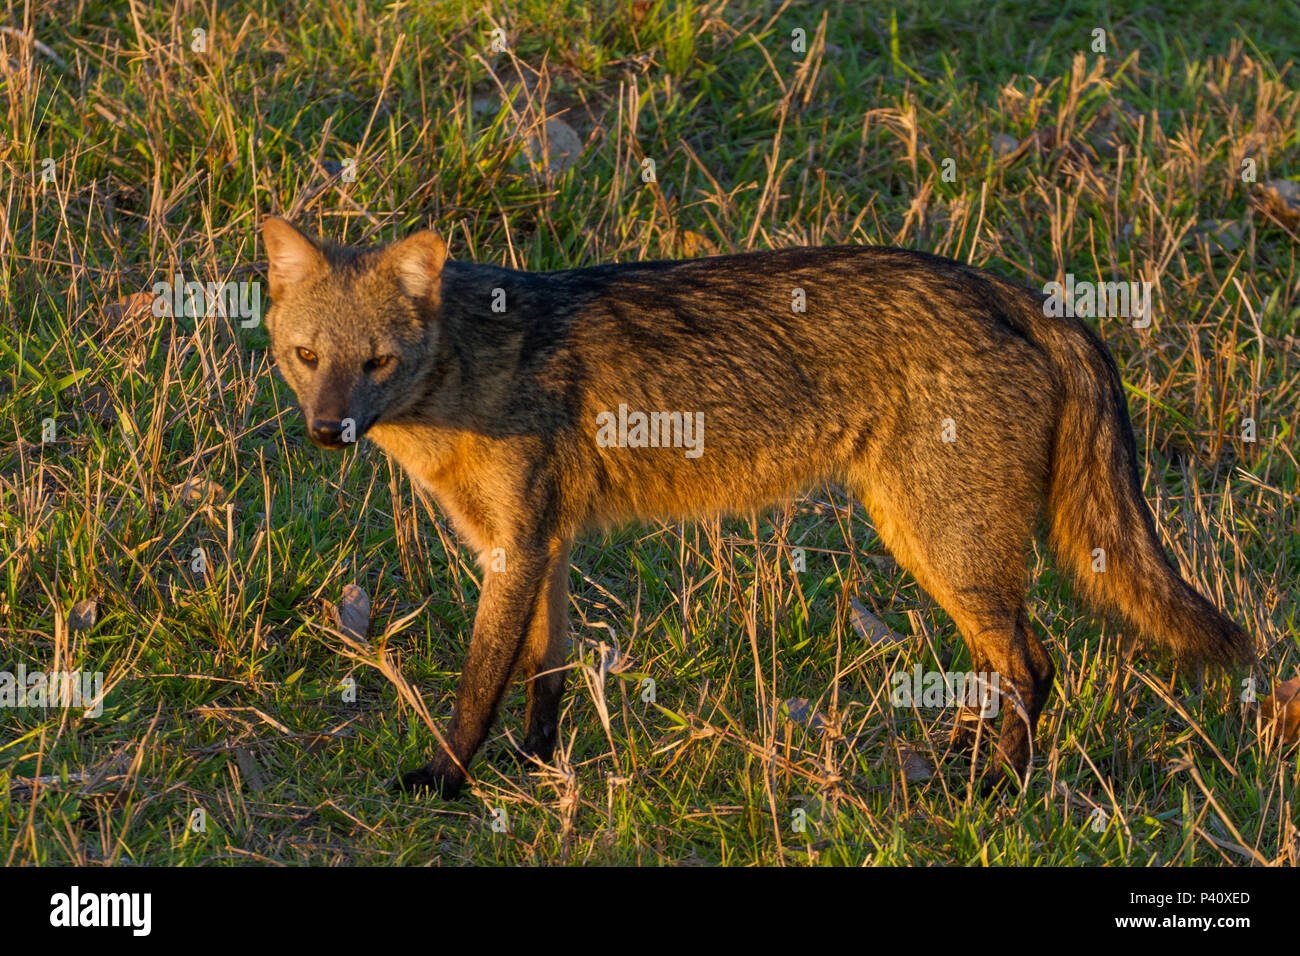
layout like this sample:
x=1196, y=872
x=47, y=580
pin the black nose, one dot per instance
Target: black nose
x=324, y=431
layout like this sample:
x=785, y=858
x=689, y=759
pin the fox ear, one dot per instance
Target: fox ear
x=292, y=256
x=418, y=260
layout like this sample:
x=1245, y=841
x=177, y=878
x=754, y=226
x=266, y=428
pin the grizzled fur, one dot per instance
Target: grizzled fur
x=496, y=414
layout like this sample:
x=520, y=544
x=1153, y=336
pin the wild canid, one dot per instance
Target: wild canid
x=535, y=405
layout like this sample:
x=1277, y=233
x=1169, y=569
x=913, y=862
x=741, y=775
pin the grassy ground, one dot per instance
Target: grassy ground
x=239, y=726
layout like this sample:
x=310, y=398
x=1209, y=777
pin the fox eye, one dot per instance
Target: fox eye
x=307, y=356
x=378, y=362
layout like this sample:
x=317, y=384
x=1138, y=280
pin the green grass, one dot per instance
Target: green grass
x=229, y=687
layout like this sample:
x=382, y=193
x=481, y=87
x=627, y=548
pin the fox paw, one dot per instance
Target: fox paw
x=424, y=780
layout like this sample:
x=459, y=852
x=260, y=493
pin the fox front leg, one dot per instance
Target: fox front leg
x=505, y=615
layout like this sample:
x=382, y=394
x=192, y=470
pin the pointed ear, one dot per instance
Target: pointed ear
x=418, y=260
x=292, y=256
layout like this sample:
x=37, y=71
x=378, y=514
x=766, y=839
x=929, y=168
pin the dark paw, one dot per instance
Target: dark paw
x=992, y=783
x=426, y=781
x=540, y=746
x=1000, y=781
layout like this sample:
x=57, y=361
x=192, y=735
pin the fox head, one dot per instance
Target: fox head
x=353, y=331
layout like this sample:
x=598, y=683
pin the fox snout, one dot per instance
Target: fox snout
x=331, y=419
x=326, y=432
x=329, y=429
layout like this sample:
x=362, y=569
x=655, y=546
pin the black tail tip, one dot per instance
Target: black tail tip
x=1221, y=643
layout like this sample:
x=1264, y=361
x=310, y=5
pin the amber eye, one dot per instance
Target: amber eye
x=378, y=362
x=308, y=357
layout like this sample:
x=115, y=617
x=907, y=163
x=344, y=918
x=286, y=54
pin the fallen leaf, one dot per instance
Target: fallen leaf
x=1283, y=707
x=98, y=402
x=198, y=491
x=353, y=613
x=1004, y=145
x=560, y=142
x=249, y=770
x=871, y=627
x=130, y=319
x=131, y=308
x=915, y=767
x=1280, y=198
x=799, y=710
x=83, y=615
x=1226, y=234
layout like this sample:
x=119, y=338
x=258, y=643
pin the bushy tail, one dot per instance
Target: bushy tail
x=1095, y=501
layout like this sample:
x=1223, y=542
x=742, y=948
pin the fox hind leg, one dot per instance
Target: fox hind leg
x=961, y=525
x=983, y=592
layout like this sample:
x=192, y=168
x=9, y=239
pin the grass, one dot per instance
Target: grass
x=239, y=725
